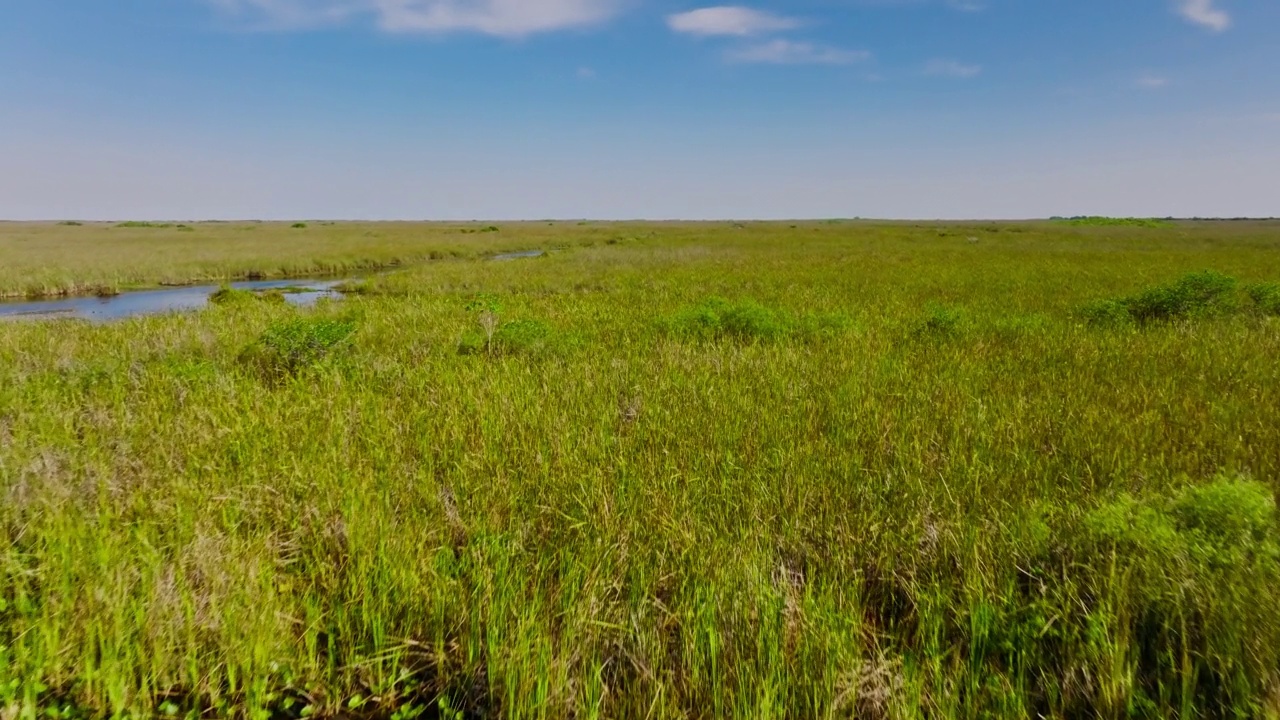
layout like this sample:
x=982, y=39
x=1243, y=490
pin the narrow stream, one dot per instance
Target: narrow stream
x=519, y=255
x=162, y=300
x=176, y=299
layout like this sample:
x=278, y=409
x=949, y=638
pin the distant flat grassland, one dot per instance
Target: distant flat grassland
x=50, y=259
x=716, y=470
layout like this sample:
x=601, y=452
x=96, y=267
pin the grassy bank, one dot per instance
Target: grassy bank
x=668, y=471
x=56, y=259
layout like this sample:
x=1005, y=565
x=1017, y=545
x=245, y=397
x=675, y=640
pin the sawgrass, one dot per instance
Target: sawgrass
x=49, y=260
x=701, y=471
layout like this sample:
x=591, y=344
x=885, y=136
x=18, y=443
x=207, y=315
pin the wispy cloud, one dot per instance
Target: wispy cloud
x=506, y=18
x=1204, y=13
x=788, y=52
x=952, y=69
x=969, y=6
x=730, y=20
x=1151, y=81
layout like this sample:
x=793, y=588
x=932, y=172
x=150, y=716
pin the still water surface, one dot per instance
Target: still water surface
x=163, y=300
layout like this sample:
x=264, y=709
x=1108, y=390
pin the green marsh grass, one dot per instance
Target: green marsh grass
x=956, y=500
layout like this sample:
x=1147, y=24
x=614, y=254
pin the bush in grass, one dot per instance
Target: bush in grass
x=288, y=348
x=1228, y=515
x=1194, y=294
x=1265, y=297
x=716, y=318
x=1197, y=294
x=299, y=226
x=1095, y=221
x=1197, y=548
x=940, y=322
x=751, y=320
x=1106, y=313
x=1200, y=571
x=505, y=338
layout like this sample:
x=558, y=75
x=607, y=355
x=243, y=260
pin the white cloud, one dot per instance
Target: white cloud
x=506, y=18
x=1151, y=81
x=952, y=69
x=1204, y=13
x=788, y=52
x=729, y=20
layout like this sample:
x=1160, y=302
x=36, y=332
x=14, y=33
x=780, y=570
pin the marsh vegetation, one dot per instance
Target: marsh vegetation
x=839, y=469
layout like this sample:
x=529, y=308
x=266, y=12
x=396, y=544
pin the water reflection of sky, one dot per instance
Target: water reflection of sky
x=151, y=302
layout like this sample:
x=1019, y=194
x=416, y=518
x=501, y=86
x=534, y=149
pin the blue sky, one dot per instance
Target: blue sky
x=497, y=109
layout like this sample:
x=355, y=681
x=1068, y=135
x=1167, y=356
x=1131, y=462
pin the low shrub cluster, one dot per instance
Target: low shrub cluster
x=493, y=336
x=1196, y=294
x=288, y=348
x=1098, y=221
x=510, y=337
x=1265, y=297
x=144, y=224
x=940, y=322
x=1198, y=570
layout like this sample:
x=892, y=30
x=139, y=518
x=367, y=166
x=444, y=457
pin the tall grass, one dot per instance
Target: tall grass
x=955, y=500
x=47, y=259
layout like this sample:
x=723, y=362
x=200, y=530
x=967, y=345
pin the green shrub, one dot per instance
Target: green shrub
x=1196, y=294
x=288, y=348
x=749, y=320
x=1228, y=513
x=1133, y=527
x=505, y=338
x=716, y=318
x=484, y=303
x=1199, y=293
x=1106, y=313
x=1200, y=571
x=1096, y=221
x=141, y=224
x=940, y=322
x=1265, y=297
x=299, y=226
x=1191, y=542
x=71, y=223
